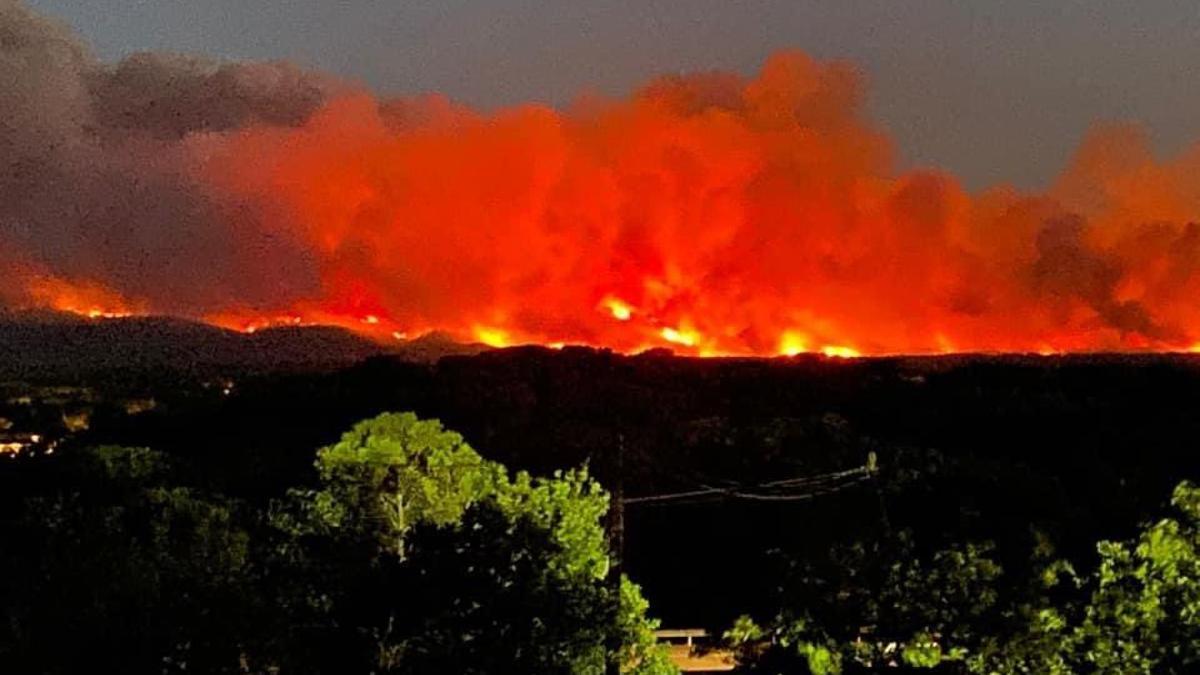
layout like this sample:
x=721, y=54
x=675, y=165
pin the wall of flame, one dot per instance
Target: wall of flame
x=719, y=215
x=712, y=213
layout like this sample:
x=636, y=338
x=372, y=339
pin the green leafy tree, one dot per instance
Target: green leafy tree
x=876, y=606
x=1144, y=613
x=1138, y=612
x=482, y=599
x=412, y=555
x=395, y=471
x=440, y=562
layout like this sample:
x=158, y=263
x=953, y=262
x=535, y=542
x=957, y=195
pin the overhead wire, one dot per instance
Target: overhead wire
x=801, y=488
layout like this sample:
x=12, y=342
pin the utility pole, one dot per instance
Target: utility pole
x=617, y=531
x=873, y=473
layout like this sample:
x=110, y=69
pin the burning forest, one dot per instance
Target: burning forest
x=712, y=213
x=300, y=377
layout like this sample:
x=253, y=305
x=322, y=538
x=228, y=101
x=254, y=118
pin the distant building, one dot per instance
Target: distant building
x=15, y=443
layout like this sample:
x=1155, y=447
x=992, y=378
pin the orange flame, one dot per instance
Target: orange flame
x=720, y=215
x=713, y=214
x=85, y=298
x=620, y=310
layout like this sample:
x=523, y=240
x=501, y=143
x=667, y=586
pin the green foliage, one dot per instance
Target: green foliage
x=791, y=644
x=1139, y=613
x=413, y=555
x=875, y=606
x=820, y=659
x=571, y=506
x=485, y=572
x=639, y=649
x=128, y=464
x=481, y=598
x=922, y=651
x=744, y=633
x=395, y=471
x=142, y=575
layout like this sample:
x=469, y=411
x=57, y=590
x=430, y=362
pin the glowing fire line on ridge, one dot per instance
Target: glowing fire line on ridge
x=712, y=214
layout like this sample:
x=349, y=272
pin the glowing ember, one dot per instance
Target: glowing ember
x=679, y=337
x=492, y=337
x=97, y=313
x=252, y=323
x=840, y=352
x=620, y=310
x=792, y=343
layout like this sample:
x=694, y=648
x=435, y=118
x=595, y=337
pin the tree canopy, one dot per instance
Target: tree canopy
x=1137, y=611
x=406, y=551
x=412, y=554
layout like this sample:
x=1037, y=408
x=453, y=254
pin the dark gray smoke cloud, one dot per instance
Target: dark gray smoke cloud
x=1067, y=268
x=94, y=179
x=171, y=95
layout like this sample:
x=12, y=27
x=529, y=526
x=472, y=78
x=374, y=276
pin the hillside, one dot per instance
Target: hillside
x=51, y=345
x=61, y=346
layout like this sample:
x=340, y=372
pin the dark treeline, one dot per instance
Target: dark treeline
x=1082, y=448
x=1027, y=458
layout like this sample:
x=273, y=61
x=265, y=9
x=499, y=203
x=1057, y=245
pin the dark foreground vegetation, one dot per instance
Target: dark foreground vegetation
x=412, y=554
x=965, y=514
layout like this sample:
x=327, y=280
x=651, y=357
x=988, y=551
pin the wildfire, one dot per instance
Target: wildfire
x=619, y=310
x=493, y=337
x=686, y=338
x=250, y=323
x=839, y=352
x=792, y=343
x=711, y=214
x=85, y=298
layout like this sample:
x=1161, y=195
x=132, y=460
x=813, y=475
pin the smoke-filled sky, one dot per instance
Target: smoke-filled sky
x=397, y=169
x=993, y=91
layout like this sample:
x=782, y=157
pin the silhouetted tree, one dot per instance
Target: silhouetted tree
x=1137, y=612
x=126, y=572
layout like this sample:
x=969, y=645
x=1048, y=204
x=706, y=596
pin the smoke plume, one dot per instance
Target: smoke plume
x=714, y=213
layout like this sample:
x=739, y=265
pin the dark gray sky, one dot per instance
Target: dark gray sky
x=995, y=90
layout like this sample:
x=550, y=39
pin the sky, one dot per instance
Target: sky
x=993, y=91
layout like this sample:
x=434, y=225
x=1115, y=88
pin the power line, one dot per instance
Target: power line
x=672, y=496
x=795, y=497
x=823, y=478
x=811, y=486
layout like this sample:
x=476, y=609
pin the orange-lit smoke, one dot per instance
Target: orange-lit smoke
x=710, y=213
x=84, y=298
x=716, y=215
x=30, y=287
